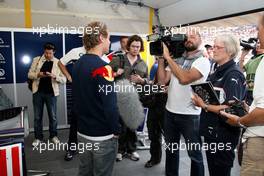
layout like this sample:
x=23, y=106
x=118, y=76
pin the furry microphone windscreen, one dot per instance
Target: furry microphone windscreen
x=130, y=108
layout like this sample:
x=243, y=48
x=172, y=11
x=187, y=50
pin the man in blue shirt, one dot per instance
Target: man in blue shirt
x=96, y=109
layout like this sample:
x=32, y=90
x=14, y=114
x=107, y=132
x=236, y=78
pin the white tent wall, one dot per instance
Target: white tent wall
x=188, y=11
x=119, y=17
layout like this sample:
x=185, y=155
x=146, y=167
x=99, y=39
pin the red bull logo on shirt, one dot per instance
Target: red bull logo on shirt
x=106, y=72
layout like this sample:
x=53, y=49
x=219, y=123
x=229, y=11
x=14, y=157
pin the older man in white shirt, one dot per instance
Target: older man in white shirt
x=253, y=138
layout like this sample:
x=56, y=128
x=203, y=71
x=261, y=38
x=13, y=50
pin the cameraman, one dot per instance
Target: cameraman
x=250, y=67
x=181, y=117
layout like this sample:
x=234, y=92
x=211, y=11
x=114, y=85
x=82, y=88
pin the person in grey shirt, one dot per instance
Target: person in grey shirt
x=129, y=66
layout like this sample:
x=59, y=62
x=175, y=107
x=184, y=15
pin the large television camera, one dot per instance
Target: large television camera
x=174, y=42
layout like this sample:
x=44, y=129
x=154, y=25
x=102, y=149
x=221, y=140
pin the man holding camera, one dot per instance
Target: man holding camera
x=251, y=66
x=182, y=117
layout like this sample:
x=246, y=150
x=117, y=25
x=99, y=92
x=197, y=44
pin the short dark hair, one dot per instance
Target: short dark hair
x=123, y=37
x=137, y=39
x=49, y=46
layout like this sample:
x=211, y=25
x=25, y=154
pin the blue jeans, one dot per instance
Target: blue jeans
x=39, y=99
x=176, y=125
x=99, y=159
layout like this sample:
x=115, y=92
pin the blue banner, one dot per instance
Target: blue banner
x=115, y=43
x=6, y=70
x=28, y=46
x=72, y=41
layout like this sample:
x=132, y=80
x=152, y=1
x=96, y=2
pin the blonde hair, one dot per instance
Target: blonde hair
x=92, y=32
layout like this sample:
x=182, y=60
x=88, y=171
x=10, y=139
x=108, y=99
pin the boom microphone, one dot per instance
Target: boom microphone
x=130, y=108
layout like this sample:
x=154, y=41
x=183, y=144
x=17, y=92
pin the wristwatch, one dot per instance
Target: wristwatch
x=240, y=125
x=205, y=107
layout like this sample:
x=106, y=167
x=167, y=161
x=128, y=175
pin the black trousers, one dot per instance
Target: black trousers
x=73, y=140
x=220, y=162
x=127, y=139
x=155, y=122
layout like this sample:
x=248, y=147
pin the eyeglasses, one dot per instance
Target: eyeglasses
x=218, y=47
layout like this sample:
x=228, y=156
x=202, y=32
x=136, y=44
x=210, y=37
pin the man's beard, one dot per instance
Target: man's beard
x=191, y=47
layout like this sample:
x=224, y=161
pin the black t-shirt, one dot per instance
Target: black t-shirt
x=45, y=85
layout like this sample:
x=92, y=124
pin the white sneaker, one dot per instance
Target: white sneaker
x=134, y=156
x=119, y=157
x=55, y=140
x=36, y=142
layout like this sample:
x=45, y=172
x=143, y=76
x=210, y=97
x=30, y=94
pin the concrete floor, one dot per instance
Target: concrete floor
x=53, y=162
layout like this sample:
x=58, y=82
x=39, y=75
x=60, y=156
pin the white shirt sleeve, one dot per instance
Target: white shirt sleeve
x=73, y=54
x=202, y=64
x=258, y=92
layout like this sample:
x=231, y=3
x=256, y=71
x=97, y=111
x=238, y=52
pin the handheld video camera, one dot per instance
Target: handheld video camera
x=251, y=43
x=237, y=108
x=174, y=42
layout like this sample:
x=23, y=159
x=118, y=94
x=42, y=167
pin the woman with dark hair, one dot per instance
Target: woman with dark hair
x=130, y=66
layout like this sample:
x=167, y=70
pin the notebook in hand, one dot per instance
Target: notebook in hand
x=206, y=92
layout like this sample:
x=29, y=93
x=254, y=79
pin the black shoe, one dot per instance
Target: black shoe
x=69, y=155
x=150, y=164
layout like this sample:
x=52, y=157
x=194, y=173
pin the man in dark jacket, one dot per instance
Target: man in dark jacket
x=95, y=108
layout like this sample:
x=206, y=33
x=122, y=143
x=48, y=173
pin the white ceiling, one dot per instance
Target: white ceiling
x=126, y=18
x=157, y=4
x=189, y=11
